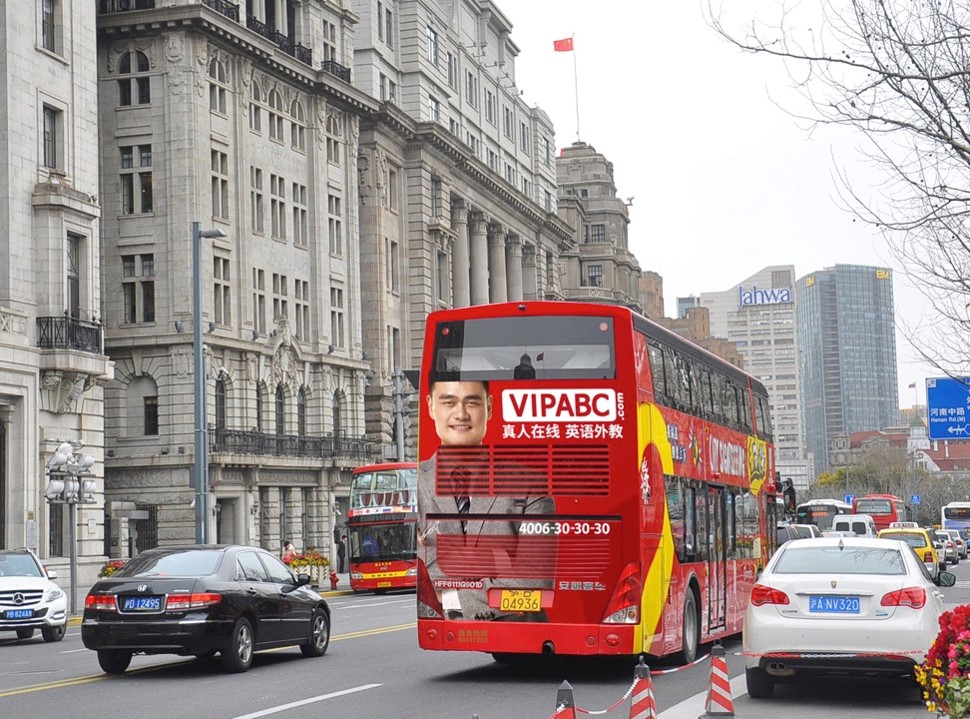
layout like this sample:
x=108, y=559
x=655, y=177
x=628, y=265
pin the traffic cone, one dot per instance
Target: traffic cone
x=642, y=704
x=565, y=704
x=719, y=701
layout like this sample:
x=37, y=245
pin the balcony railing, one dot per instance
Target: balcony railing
x=336, y=69
x=106, y=7
x=229, y=9
x=68, y=333
x=233, y=441
x=301, y=53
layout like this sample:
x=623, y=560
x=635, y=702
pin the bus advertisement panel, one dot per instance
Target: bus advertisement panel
x=381, y=527
x=588, y=483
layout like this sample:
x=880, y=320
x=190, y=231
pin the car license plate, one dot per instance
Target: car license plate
x=141, y=604
x=833, y=604
x=521, y=600
x=18, y=614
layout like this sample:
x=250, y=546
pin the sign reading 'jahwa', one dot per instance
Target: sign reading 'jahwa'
x=756, y=296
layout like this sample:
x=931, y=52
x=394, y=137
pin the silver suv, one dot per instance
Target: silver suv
x=29, y=600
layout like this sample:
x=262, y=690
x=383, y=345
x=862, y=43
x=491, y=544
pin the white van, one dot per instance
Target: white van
x=861, y=525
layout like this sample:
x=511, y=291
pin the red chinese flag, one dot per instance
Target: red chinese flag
x=564, y=45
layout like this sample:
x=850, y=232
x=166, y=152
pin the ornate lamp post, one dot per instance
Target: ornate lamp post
x=69, y=482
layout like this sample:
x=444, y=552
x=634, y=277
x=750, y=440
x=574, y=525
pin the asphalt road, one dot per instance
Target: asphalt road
x=374, y=670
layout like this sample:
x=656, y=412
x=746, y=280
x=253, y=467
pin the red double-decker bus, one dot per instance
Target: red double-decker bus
x=381, y=527
x=589, y=483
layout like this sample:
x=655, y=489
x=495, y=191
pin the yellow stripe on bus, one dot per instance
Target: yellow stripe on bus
x=652, y=429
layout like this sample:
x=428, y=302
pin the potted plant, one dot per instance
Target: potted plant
x=308, y=562
x=110, y=567
x=945, y=673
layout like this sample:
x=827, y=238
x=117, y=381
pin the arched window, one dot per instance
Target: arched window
x=333, y=139
x=338, y=429
x=220, y=404
x=280, y=410
x=255, y=111
x=259, y=407
x=301, y=412
x=218, y=81
x=134, y=90
x=297, y=126
x=142, y=403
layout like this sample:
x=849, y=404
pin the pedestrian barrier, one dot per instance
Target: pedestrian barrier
x=642, y=705
x=719, y=700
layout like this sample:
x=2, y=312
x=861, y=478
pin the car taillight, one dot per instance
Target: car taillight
x=914, y=597
x=624, y=605
x=178, y=602
x=760, y=594
x=101, y=602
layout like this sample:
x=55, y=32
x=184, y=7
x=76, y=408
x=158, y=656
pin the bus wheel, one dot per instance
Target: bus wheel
x=691, y=629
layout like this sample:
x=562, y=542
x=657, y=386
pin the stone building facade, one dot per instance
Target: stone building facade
x=52, y=363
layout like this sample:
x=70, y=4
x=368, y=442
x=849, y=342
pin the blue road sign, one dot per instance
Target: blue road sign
x=948, y=407
x=915, y=499
x=849, y=498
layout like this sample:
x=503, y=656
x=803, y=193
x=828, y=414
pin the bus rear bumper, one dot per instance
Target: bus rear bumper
x=525, y=637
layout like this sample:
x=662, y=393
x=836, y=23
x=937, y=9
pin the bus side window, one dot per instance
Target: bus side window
x=675, y=508
x=690, y=528
x=702, y=524
x=657, y=372
x=706, y=402
x=731, y=523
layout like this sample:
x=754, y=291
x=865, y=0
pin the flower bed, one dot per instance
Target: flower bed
x=945, y=674
x=111, y=567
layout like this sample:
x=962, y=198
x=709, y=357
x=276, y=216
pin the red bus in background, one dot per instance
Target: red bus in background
x=883, y=508
x=651, y=458
x=381, y=527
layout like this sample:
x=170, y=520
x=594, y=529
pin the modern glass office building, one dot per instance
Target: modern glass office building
x=847, y=354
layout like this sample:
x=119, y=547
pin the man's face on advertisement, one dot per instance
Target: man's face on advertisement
x=460, y=411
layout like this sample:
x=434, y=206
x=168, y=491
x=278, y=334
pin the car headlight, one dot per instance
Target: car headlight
x=54, y=593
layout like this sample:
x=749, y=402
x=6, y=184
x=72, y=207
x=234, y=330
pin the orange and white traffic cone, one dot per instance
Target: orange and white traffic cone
x=565, y=704
x=719, y=701
x=642, y=703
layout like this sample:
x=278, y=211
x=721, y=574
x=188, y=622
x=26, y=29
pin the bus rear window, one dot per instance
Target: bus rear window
x=873, y=506
x=509, y=348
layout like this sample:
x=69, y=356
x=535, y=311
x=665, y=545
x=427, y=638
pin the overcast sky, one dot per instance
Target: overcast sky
x=724, y=181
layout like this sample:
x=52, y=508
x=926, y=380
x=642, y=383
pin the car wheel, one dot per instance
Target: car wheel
x=25, y=633
x=239, y=656
x=53, y=634
x=690, y=635
x=114, y=661
x=760, y=685
x=319, y=636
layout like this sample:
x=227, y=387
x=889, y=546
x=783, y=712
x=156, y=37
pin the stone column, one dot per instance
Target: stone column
x=461, y=293
x=478, y=245
x=497, y=279
x=513, y=259
x=530, y=277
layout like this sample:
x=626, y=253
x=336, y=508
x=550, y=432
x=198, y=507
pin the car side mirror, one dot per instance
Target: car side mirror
x=51, y=574
x=946, y=579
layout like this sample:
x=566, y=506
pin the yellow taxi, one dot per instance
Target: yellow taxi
x=922, y=543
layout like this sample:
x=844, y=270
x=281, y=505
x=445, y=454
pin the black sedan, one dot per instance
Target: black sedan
x=200, y=600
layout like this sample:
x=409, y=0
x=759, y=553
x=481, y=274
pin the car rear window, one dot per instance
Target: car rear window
x=913, y=539
x=187, y=563
x=840, y=560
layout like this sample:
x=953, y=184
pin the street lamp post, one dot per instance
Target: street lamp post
x=201, y=474
x=69, y=482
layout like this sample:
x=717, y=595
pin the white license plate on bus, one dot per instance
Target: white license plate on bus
x=521, y=600
x=833, y=604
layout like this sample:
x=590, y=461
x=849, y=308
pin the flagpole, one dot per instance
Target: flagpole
x=575, y=84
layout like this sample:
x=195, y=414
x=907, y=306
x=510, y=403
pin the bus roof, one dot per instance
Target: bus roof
x=386, y=467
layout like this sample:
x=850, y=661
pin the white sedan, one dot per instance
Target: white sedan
x=840, y=604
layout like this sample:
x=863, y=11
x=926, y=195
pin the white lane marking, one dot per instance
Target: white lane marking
x=75, y=651
x=304, y=702
x=374, y=604
x=689, y=708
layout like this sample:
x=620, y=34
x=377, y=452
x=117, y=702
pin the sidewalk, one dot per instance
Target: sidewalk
x=343, y=587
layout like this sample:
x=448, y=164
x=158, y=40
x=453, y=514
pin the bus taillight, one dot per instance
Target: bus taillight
x=624, y=606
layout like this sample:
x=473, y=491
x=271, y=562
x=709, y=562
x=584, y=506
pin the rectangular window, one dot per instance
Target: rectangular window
x=301, y=227
x=52, y=137
x=259, y=301
x=329, y=42
x=301, y=307
x=220, y=184
x=442, y=274
x=337, y=316
x=393, y=349
x=383, y=87
x=221, y=291
x=492, y=158
x=393, y=250
x=380, y=21
x=597, y=233
x=471, y=89
x=74, y=275
x=452, y=71
x=392, y=189
x=151, y=415
x=595, y=275
x=256, y=198
x=335, y=225
x=509, y=123
x=281, y=309
x=509, y=173
x=548, y=201
x=388, y=27
x=435, y=197
x=473, y=144
x=524, y=137
x=490, y=106
x=48, y=24
x=434, y=109
x=547, y=151
x=136, y=187
x=138, y=287
x=277, y=206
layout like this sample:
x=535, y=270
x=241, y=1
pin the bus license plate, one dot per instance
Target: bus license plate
x=521, y=600
x=141, y=604
x=19, y=614
x=833, y=604
x=383, y=584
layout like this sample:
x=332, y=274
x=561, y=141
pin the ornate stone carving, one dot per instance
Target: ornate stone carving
x=64, y=390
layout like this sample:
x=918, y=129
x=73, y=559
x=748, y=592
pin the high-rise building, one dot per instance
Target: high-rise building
x=847, y=354
x=758, y=316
